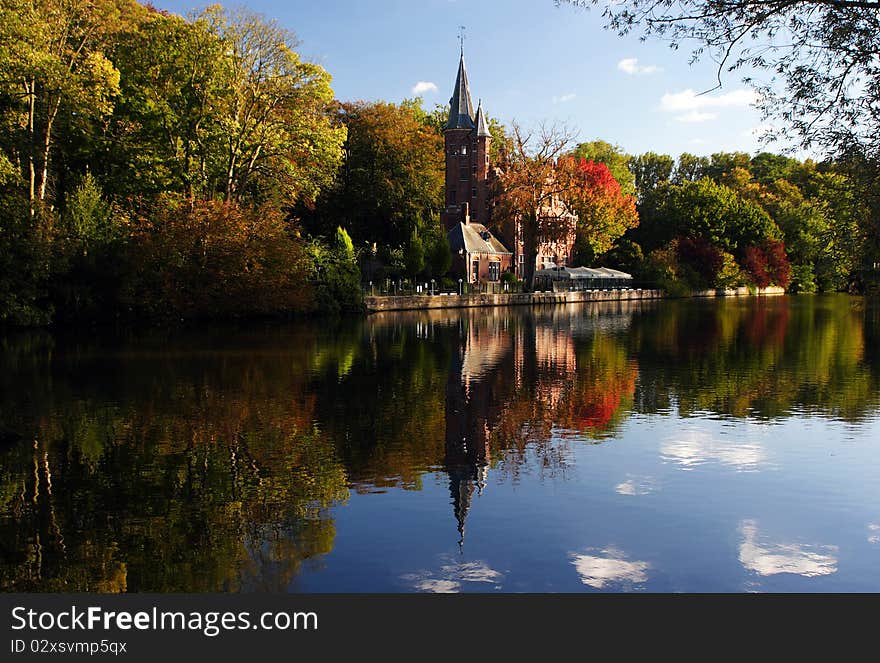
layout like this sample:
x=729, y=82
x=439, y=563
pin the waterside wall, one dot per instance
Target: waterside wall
x=419, y=302
x=423, y=302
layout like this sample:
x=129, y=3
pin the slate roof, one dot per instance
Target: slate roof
x=461, y=109
x=475, y=238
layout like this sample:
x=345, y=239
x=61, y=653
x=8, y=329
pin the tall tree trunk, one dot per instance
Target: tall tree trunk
x=29, y=86
x=47, y=145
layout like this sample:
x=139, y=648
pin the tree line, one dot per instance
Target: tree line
x=159, y=166
x=149, y=161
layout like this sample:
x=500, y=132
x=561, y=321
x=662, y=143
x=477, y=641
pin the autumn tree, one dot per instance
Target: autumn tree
x=276, y=134
x=390, y=182
x=613, y=157
x=533, y=188
x=604, y=211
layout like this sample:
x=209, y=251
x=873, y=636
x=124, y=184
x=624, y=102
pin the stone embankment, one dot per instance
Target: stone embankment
x=423, y=302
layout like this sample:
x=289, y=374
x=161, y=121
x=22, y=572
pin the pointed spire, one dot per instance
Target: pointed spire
x=482, y=127
x=461, y=108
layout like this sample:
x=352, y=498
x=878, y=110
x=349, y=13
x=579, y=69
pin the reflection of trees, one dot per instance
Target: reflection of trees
x=209, y=459
x=199, y=474
x=764, y=357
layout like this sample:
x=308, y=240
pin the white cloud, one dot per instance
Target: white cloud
x=424, y=86
x=874, y=533
x=565, y=97
x=688, y=100
x=609, y=568
x=696, y=116
x=694, y=448
x=767, y=559
x=632, y=67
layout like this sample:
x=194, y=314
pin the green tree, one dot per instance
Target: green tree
x=414, y=256
x=391, y=181
x=690, y=168
x=278, y=139
x=54, y=70
x=649, y=171
x=166, y=135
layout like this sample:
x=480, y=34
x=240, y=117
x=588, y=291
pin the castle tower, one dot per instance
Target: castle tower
x=466, y=138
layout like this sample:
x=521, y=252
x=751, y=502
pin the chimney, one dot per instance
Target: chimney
x=466, y=212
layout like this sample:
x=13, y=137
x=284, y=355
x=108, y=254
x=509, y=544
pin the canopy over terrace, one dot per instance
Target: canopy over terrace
x=582, y=278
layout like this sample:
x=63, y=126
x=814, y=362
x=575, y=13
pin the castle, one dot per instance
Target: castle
x=479, y=246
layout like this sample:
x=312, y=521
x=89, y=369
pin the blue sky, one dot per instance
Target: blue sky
x=529, y=61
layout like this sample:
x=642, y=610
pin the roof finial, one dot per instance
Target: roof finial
x=461, y=30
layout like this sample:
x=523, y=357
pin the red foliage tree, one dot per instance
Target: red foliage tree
x=768, y=264
x=604, y=211
x=778, y=266
x=701, y=256
x=755, y=263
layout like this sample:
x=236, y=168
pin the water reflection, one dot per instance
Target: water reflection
x=454, y=576
x=758, y=555
x=636, y=485
x=609, y=567
x=693, y=448
x=220, y=459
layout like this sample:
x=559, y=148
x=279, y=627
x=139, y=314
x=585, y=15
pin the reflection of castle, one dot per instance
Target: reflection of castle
x=472, y=409
x=516, y=381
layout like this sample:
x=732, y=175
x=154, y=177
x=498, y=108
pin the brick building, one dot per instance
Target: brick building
x=479, y=246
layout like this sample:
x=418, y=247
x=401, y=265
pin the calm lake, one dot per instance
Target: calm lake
x=665, y=446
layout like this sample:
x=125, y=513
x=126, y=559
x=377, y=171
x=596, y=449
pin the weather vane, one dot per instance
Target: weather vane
x=461, y=30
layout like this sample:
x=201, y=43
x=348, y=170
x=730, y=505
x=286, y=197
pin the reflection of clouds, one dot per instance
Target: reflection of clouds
x=609, y=567
x=771, y=558
x=636, y=486
x=873, y=532
x=695, y=448
x=451, y=577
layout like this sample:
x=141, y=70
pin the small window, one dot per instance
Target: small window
x=463, y=174
x=464, y=149
x=476, y=271
x=474, y=192
x=474, y=170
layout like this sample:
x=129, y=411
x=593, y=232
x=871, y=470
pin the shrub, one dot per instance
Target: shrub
x=335, y=277
x=803, y=279
x=25, y=260
x=704, y=260
x=509, y=277
x=206, y=258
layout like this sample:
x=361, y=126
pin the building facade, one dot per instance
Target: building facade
x=480, y=246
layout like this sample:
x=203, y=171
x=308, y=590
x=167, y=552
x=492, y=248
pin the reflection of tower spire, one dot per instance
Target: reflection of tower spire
x=461, y=490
